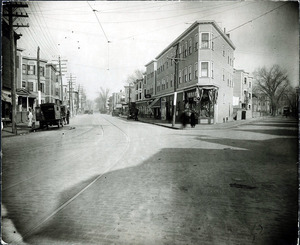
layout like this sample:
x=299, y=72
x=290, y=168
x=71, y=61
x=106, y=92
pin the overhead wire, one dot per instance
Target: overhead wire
x=94, y=11
x=43, y=37
x=180, y=23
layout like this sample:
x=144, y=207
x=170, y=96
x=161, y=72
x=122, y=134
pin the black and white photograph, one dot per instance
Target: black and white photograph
x=149, y=122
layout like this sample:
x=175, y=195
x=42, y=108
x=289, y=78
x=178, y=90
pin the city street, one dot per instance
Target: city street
x=108, y=180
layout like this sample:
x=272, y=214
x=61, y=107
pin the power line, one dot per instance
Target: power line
x=94, y=11
x=258, y=17
x=180, y=23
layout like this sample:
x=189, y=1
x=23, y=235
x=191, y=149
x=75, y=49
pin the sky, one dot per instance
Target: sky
x=105, y=42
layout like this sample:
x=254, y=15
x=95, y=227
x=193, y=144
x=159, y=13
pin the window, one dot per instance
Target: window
x=23, y=84
x=190, y=73
x=204, y=40
x=196, y=70
x=212, y=41
x=196, y=42
x=245, y=80
x=179, y=77
x=24, y=69
x=185, y=49
x=212, y=70
x=163, y=85
x=249, y=84
x=30, y=70
x=30, y=86
x=185, y=74
x=43, y=88
x=180, y=50
x=167, y=83
x=42, y=71
x=223, y=75
x=204, y=69
x=190, y=46
x=223, y=50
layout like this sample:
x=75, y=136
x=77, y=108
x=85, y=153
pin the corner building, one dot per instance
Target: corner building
x=196, y=72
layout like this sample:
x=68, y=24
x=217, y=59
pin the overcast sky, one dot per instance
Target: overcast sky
x=105, y=42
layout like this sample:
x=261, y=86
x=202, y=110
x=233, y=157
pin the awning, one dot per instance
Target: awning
x=25, y=93
x=155, y=103
x=6, y=96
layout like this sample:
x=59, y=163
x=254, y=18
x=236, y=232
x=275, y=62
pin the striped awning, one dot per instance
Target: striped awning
x=155, y=103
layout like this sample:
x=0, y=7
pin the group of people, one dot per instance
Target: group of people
x=188, y=116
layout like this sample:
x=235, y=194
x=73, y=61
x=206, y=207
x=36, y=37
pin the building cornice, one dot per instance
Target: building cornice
x=192, y=27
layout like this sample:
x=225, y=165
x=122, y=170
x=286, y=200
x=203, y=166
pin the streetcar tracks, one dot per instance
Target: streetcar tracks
x=66, y=203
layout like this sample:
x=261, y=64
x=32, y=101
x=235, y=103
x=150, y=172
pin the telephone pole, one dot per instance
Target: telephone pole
x=62, y=69
x=9, y=9
x=38, y=76
x=70, y=83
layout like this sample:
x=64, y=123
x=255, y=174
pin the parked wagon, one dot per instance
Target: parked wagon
x=49, y=114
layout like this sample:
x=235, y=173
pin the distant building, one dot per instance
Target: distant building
x=242, y=94
x=260, y=104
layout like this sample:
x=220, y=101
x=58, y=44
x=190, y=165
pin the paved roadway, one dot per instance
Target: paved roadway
x=105, y=180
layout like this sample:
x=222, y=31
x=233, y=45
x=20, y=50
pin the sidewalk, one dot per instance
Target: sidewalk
x=198, y=126
x=22, y=128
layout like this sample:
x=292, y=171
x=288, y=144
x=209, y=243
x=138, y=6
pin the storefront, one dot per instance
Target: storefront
x=201, y=100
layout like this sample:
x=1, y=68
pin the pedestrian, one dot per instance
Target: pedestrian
x=68, y=116
x=183, y=118
x=193, y=119
x=30, y=117
x=136, y=112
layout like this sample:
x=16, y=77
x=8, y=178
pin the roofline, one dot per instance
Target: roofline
x=32, y=58
x=195, y=24
x=152, y=61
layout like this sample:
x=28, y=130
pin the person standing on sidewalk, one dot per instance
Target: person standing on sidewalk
x=68, y=116
x=193, y=119
x=30, y=117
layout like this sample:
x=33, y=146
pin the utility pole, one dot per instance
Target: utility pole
x=62, y=69
x=38, y=77
x=70, y=83
x=176, y=59
x=11, y=7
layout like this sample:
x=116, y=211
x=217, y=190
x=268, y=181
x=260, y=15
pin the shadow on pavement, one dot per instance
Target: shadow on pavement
x=187, y=196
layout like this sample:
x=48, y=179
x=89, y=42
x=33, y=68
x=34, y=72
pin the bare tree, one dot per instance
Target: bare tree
x=101, y=100
x=137, y=74
x=272, y=83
